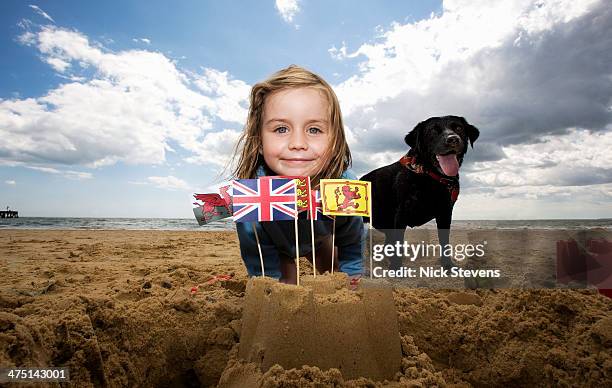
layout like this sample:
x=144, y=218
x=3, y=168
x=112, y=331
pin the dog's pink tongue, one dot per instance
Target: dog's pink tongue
x=449, y=164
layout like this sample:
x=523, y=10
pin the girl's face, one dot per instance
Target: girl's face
x=295, y=131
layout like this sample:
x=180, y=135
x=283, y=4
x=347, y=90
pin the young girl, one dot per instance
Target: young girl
x=294, y=128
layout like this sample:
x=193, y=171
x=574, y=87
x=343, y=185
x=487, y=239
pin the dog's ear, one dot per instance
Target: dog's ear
x=471, y=131
x=412, y=138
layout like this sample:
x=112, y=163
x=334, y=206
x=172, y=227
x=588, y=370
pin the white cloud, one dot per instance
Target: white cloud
x=25, y=24
x=217, y=148
x=528, y=202
x=168, y=182
x=70, y=174
x=230, y=96
x=135, y=105
x=58, y=64
x=27, y=37
x=41, y=12
x=143, y=40
x=580, y=158
x=287, y=9
x=10, y=182
x=341, y=53
x=78, y=175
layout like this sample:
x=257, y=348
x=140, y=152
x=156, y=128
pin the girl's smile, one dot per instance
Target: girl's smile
x=295, y=132
x=297, y=160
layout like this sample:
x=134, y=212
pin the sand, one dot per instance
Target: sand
x=117, y=308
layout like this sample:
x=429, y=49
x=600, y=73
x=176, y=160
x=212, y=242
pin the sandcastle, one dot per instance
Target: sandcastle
x=321, y=323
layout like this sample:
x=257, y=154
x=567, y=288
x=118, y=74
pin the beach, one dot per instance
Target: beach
x=165, y=308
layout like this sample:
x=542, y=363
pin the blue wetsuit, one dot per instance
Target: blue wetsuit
x=278, y=238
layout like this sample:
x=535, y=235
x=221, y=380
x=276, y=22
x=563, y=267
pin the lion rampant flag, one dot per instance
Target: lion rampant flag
x=343, y=197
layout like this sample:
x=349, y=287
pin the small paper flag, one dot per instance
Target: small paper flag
x=214, y=214
x=303, y=190
x=210, y=208
x=343, y=197
x=264, y=199
x=316, y=207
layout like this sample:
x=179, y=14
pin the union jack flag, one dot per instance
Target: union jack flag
x=263, y=199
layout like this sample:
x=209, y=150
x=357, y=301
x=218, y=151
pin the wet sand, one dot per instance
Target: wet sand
x=117, y=308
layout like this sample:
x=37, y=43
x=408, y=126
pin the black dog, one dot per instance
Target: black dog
x=423, y=184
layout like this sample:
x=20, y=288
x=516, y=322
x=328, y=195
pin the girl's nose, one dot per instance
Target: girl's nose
x=298, y=141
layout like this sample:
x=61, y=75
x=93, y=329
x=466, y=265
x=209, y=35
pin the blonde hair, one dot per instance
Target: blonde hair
x=337, y=157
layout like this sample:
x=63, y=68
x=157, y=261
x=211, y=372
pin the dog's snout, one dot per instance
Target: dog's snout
x=453, y=140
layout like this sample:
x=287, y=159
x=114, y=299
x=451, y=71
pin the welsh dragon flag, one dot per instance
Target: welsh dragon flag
x=211, y=207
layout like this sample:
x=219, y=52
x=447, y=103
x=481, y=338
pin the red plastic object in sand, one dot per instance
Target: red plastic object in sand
x=571, y=265
x=599, y=265
x=354, y=283
x=606, y=291
x=591, y=264
x=216, y=278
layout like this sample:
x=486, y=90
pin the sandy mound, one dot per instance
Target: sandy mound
x=321, y=324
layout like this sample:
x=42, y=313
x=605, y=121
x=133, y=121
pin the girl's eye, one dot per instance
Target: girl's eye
x=314, y=130
x=281, y=130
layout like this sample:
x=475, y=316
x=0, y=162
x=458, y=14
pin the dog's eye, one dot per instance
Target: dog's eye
x=459, y=128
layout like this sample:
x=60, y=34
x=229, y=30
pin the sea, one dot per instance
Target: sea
x=227, y=224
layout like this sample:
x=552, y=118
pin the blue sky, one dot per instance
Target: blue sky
x=249, y=39
x=124, y=109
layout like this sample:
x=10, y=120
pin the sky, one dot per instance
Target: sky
x=127, y=108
